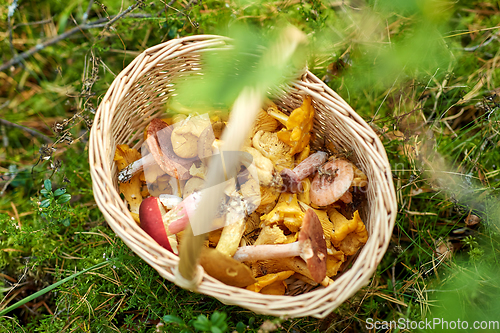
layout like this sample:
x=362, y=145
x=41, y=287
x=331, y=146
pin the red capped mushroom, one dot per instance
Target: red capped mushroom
x=163, y=225
x=151, y=214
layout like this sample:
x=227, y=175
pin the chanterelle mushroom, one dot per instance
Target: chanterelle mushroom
x=287, y=211
x=268, y=144
x=298, y=127
x=271, y=234
x=348, y=236
x=268, y=279
x=311, y=247
x=132, y=189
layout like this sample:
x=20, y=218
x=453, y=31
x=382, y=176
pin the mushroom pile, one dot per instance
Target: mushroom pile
x=285, y=230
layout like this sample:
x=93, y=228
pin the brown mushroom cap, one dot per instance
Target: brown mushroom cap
x=225, y=269
x=160, y=145
x=150, y=214
x=311, y=234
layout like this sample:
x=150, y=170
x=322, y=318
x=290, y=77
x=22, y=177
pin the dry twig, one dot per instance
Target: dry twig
x=26, y=129
x=99, y=23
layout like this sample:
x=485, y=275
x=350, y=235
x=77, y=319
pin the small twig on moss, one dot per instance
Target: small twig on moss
x=486, y=42
x=26, y=129
x=32, y=23
x=125, y=12
x=12, y=9
x=100, y=23
x=188, y=6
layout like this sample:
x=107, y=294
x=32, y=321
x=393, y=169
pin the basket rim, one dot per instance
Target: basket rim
x=308, y=83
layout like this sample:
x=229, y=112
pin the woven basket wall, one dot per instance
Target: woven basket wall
x=140, y=92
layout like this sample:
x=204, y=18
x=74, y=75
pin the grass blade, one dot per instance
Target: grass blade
x=49, y=288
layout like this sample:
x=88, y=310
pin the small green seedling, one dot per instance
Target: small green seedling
x=216, y=324
x=51, y=207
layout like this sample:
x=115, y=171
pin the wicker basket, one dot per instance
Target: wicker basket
x=139, y=93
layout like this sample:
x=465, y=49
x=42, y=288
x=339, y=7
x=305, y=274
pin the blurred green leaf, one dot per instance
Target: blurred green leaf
x=228, y=70
x=47, y=184
x=64, y=16
x=63, y=198
x=202, y=323
x=45, y=203
x=471, y=293
x=59, y=191
x=240, y=327
x=173, y=319
x=215, y=329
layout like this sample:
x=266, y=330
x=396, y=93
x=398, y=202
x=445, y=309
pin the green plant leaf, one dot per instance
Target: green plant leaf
x=45, y=203
x=202, y=323
x=59, y=191
x=218, y=318
x=47, y=184
x=173, y=319
x=215, y=329
x=63, y=198
x=45, y=192
x=66, y=222
x=240, y=327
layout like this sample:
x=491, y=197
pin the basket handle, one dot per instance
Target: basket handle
x=242, y=117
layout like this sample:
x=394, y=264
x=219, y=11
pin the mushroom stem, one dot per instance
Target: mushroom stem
x=310, y=164
x=135, y=167
x=178, y=217
x=230, y=237
x=169, y=200
x=311, y=247
x=292, y=178
x=281, y=117
x=267, y=251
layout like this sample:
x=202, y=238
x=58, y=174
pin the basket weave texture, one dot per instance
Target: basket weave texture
x=139, y=93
